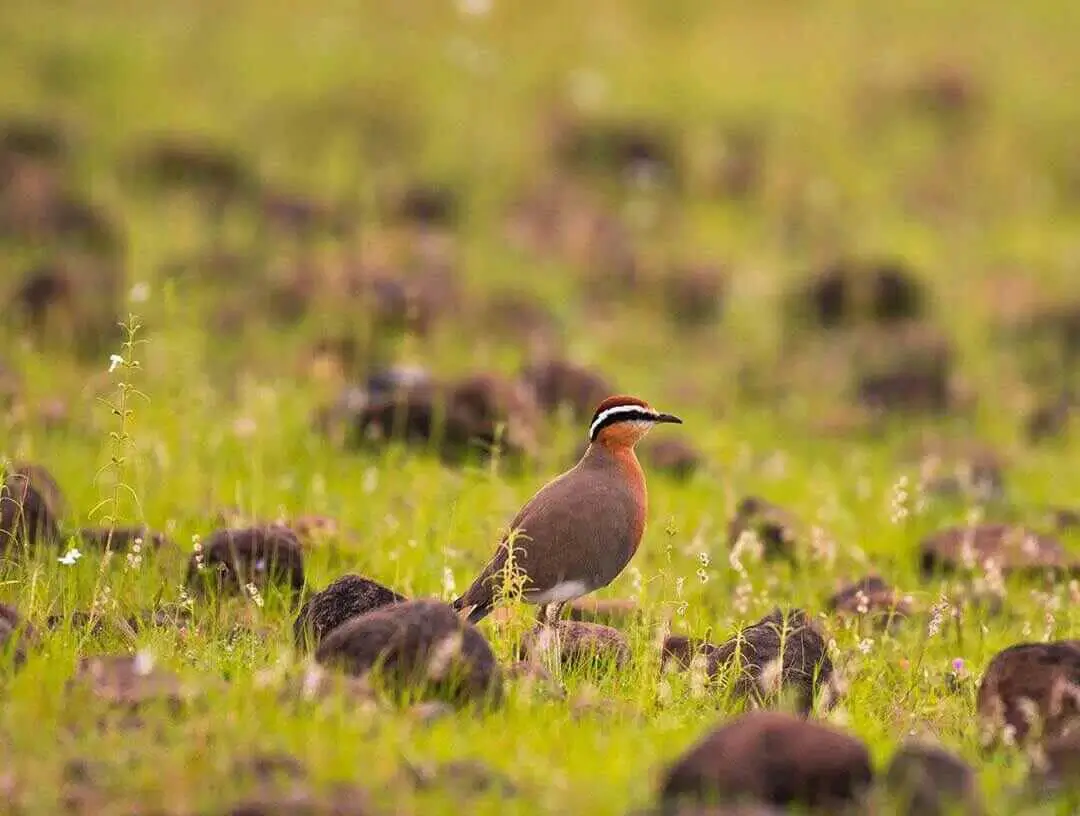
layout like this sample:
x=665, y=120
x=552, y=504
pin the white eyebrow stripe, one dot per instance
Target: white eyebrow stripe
x=618, y=409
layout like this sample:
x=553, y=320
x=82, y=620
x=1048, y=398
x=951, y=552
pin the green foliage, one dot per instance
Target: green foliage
x=351, y=100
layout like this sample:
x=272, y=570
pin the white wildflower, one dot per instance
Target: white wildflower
x=144, y=662
x=70, y=557
x=937, y=615
x=134, y=556
x=256, y=596
x=474, y=8
x=139, y=293
x=899, y=503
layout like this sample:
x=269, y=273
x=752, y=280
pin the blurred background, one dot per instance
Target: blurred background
x=820, y=211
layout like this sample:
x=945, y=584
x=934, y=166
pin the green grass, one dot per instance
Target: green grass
x=347, y=100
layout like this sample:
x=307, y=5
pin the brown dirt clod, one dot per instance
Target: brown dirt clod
x=1030, y=689
x=347, y=597
x=577, y=643
x=263, y=556
x=774, y=758
x=419, y=649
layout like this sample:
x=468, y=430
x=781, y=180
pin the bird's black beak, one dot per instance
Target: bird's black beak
x=674, y=420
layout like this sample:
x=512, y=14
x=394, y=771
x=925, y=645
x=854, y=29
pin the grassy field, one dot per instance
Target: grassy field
x=942, y=137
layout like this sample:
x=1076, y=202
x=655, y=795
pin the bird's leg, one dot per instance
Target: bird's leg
x=551, y=612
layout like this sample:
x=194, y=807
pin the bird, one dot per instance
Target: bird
x=579, y=531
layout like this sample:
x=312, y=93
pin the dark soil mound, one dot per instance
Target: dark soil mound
x=419, y=650
x=781, y=653
x=233, y=558
x=15, y=634
x=347, y=597
x=870, y=597
x=578, y=644
x=1012, y=548
x=925, y=779
x=775, y=528
x=774, y=758
x=1030, y=689
x=31, y=505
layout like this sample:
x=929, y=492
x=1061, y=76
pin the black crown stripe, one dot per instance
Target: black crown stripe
x=619, y=413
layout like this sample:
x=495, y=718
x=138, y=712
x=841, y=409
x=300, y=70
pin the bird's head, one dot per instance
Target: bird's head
x=622, y=421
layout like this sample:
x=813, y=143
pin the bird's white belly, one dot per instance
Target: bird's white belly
x=565, y=591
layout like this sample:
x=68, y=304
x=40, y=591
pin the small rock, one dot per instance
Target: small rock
x=72, y=299
x=1058, y=765
x=499, y=410
x=965, y=470
x=121, y=539
x=682, y=652
x=11, y=387
x=81, y=787
x=477, y=416
x=347, y=597
x=1030, y=687
x=1050, y=420
x=926, y=779
x=428, y=205
x=872, y=597
x=737, y=167
x=852, y=291
x=559, y=382
x=672, y=456
x=191, y=164
x=913, y=375
x=466, y=777
x=95, y=624
x=693, y=295
x=128, y=681
x=534, y=678
x=1063, y=519
x=689, y=808
x=762, y=673
x=31, y=506
x=340, y=800
x=577, y=644
x=404, y=300
x=608, y=611
x=314, y=530
x=948, y=95
x=316, y=684
x=775, y=528
x=1012, y=548
x=775, y=758
x=303, y=217
x=592, y=704
x=50, y=413
x=267, y=768
x=518, y=316
x=234, y=558
x=15, y=634
x=625, y=151
x=430, y=711
x=30, y=139
x=419, y=647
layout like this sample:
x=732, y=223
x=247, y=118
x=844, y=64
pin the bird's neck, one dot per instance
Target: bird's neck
x=625, y=459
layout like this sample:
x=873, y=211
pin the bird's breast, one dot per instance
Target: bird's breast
x=634, y=479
